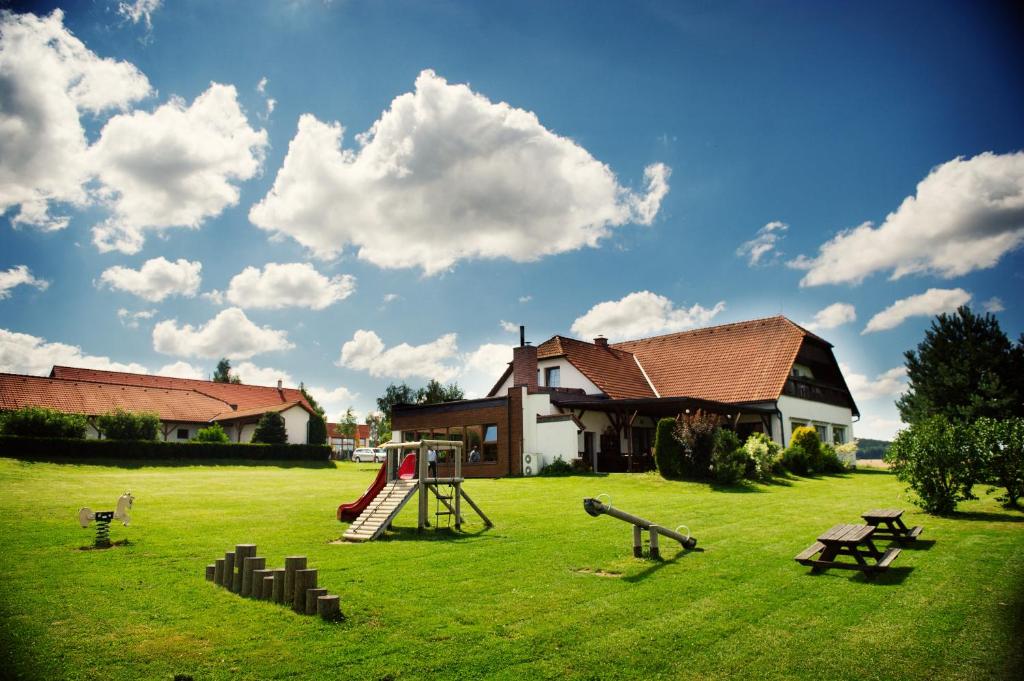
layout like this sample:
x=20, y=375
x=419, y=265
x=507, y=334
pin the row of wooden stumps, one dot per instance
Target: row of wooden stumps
x=243, y=572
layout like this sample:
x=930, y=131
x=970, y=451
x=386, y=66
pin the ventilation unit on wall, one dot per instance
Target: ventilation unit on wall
x=532, y=463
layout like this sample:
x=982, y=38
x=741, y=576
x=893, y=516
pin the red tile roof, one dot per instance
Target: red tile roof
x=255, y=411
x=362, y=431
x=91, y=399
x=741, y=362
x=612, y=370
x=242, y=396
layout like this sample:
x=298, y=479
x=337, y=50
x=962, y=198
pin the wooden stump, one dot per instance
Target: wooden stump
x=251, y=564
x=638, y=542
x=211, y=570
x=278, y=596
x=229, y=569
x=218, y=572
x=655, y=550
x=329, y=608
x=311, y=596
x=256, y=584
x=291, y=564
x=268, y=587
x=304, y=579
x=242, y=551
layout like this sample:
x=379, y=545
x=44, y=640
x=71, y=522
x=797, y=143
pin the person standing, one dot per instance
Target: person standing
x=432, y=462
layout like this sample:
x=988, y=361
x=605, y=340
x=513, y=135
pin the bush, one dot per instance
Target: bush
x=796, y=460
x=830, y=462
x=764, y=453
x=806, y=438
x=847, y=454
x=999, y=455
x=556, y=468
x=270, y=429
x=317, y=430
x=212, y=433
x=937, y=460
x=42, y=422
x=125, y=425
x=697, y=434
x=153, y=450
x=668, y=451
x=728, y=458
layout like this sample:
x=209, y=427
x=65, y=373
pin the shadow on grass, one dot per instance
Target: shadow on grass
x=741, y=487
x=891, y=577
x=659, y=564
x=431, y=534
x=1009, y=517
x=916, y=545
x=177, y=463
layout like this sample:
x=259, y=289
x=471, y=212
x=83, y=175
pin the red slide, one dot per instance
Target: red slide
x=351, y=511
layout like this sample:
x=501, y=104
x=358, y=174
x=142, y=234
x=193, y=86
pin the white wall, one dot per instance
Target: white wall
x=296, y=421
x=814, y=413
x=557, y=439
x=569, y=377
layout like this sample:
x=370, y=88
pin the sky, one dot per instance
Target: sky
x=349, y=194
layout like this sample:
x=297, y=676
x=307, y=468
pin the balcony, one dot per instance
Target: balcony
x=808, y=389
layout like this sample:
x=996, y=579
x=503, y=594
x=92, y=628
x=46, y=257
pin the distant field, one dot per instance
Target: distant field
x=549, y=592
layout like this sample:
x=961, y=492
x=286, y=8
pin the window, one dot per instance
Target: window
x=838, y=435
x=182, y=433
x=552, y=377
x=822, y=432
x=490, y=450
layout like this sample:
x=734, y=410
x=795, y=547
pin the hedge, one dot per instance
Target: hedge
x=153, y=450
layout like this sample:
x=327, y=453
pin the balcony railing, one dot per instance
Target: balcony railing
x=807, y=389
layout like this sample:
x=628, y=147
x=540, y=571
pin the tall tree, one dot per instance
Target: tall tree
x=317, y=421
x=347, y=424
x=965, y=368
x=434, y=392
x=223, y=372
x=380, y=428
x=271, y=429
x=395, y=394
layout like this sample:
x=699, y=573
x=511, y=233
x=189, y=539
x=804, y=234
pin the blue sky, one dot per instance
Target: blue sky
x=580, y=168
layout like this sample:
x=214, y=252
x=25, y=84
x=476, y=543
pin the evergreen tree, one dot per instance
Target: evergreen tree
x=317, y=421
x=965, y=368
x=223, y=374
x=271, y=429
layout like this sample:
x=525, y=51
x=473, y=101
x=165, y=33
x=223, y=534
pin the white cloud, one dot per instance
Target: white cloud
x=525, y=299
x=832, y=316
x=229, y=334
x=447, y=175
x=333, y=400
x=156, y=279
x=21, y=353
x=270, y=102
x=18, y=276
x=131, y=319
x=993, y=305
x=878, y=426
x=763, y=243
x=641, y=314
x=140, y=10
x=287, y=285
x=173, y=167
x=390, y=297
x=965, y=215
x=366, y=351
x=49, y=78
x=932, y=302
x=250, y=374
x=889, y=383
x=483, y=367
x=183, y=370
x=509, y=327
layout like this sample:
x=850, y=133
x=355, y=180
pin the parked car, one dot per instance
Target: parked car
x=368, y=455
x=382, y=454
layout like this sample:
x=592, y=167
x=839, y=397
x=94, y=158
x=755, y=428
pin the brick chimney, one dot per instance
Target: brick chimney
x=601, y=342
x=524, y=362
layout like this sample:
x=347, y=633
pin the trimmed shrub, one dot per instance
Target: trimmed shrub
x=212, y=433
x=42, y=422
x=668, y=451
x=556, y=468
x=806, y=437
x=125, y=425
x=764, y=453
x=697, y=434
x=936, y=459
x=317, y=430
x=270, y=429
x=32, y=448
x=728, y=458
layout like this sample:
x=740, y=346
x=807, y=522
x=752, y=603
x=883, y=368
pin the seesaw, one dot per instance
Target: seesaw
x=595, y=507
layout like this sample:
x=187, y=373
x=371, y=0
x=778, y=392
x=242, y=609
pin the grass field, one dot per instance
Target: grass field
x=549, y=592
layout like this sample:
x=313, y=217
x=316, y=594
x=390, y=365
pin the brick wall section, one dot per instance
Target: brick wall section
x=422, y=419
x=524, y=366
x=515, y=428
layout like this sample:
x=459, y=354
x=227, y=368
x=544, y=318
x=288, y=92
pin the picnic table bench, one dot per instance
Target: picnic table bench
x=847, y=540
x=888, y=523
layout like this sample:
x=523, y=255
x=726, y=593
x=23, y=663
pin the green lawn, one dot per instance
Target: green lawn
x=530, y=598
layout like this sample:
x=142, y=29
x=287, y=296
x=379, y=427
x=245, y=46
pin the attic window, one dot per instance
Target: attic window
x=552, y=377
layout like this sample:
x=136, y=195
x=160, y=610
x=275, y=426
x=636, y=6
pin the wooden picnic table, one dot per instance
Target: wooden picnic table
x=848, y=540
x=888, y=523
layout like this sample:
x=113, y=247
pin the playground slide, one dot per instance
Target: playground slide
x=349, y=512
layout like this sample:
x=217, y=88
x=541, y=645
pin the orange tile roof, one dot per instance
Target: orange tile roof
x=362, y=431
x=612, y=370
x=92, y=399
x=255, y=411
x=742, y=362
x=242, y=396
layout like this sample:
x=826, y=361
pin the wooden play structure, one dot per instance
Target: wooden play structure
x=399, y=480
x=595, y=507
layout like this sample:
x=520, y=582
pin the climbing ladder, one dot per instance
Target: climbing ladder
x=372, y=522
